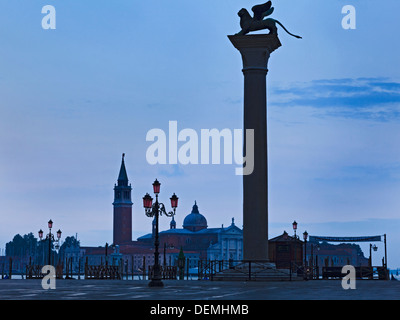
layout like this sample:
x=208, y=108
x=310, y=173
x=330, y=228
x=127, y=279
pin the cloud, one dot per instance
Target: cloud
x=359, y=176
x=172, y=171
x=375, y=99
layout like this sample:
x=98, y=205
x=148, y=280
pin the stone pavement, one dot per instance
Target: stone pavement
x=199, y=290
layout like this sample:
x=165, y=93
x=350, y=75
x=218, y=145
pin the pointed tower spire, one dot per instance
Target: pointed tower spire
x=123, y=176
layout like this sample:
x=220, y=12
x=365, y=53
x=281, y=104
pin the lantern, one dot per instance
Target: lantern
x=147, y=201
x=59, y=234
x=50, y=224
x=174, y=201
x=156, y=187
x=40, y=234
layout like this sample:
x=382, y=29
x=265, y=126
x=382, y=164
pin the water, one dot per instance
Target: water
x=394, y=272
x=82, y=277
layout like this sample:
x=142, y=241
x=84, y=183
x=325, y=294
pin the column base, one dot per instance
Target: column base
x=156, y=283
x=255, y=271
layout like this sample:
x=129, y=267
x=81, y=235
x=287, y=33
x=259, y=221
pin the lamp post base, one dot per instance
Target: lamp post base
x=156, y=283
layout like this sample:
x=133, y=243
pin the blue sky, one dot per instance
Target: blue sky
x=72, y=100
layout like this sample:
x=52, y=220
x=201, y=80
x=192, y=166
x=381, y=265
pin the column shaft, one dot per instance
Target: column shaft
x=255, y=51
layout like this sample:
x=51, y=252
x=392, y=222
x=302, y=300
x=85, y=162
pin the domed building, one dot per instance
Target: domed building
x=195, y=221
x=197, y=240
x=195, y=236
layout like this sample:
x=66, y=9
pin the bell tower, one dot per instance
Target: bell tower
x=122, y=224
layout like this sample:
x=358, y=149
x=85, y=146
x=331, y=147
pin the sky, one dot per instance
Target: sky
x=73, y=99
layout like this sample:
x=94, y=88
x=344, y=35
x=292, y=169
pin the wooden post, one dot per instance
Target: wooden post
x=199, y=268
x=86, y=266
x=144, y=268
x=165, y=258
x=69, y=275
x=249, y=270
x=132, y=266
x=384, y=239
x=187, y=269
x=10, y=268
x=66, y=268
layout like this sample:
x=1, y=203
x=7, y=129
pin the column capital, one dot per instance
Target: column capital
x=255, y=50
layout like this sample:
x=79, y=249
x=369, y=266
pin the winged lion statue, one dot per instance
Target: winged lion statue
x=257, y=22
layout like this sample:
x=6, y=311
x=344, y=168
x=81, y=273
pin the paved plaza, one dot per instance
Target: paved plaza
x=199, y=290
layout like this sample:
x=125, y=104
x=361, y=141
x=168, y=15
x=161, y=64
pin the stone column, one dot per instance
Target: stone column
x=255, y=51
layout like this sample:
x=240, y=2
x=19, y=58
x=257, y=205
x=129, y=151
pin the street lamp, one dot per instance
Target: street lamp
x=294, y=228
x=294, y=224
x=305, y=235
x=375, y=248
x=314, y=260
x=50, y=237
x=57, y=246
x=155, y=210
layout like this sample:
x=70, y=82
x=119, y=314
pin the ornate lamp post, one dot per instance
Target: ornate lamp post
x=50, y=237
x=155, y=210
x=375, y=248
x=305, y=235
x=294, y=224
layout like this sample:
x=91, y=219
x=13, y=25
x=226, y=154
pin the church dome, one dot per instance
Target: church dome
x=195, y=221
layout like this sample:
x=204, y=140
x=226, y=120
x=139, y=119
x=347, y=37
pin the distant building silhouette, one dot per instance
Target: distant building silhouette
x=122, y=226
x=195, y=236
x=196, y=239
